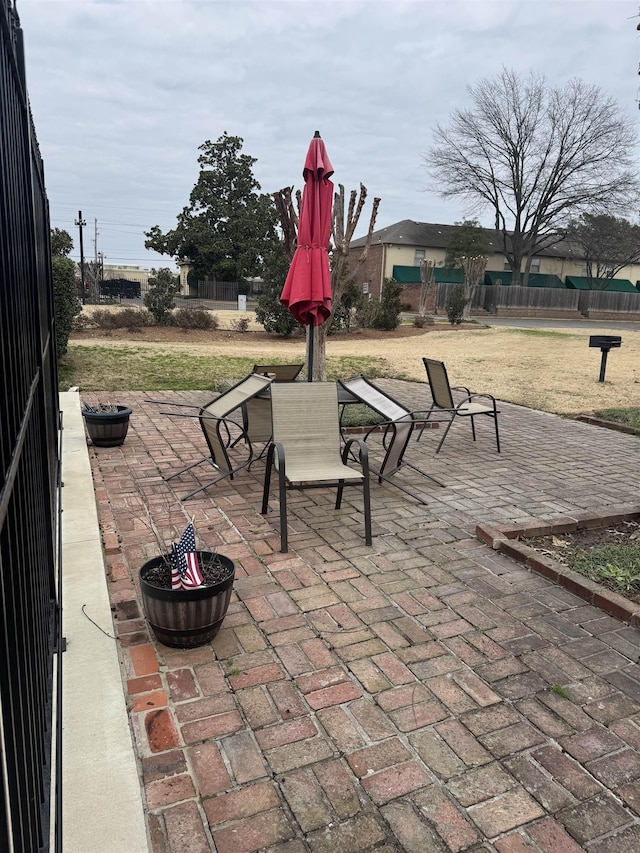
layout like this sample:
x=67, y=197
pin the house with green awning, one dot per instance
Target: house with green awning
x=397, y=251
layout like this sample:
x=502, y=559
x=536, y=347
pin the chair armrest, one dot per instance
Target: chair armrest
x=484, y=397
x=471, y=397
x=461, y=388
x=363, y=453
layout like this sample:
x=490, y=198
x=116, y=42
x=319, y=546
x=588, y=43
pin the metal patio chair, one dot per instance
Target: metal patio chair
x=468, y=407
x=305, y=449
x=221, y=431
x=398, y=426
x=256, y=412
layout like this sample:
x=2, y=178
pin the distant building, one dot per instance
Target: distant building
x=127, y=271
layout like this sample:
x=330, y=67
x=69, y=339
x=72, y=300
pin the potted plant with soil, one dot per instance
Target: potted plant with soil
x=107, y=425
x=186, y=594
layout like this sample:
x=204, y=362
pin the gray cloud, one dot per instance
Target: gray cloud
x=124, y=93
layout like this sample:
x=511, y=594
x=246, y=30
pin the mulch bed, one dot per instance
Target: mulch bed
x=172, y=334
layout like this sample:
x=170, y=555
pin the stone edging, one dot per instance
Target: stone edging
x=506, y=540
x=614, y=425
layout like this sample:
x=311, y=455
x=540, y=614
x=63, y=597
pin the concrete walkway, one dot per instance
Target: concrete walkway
x=423, y=694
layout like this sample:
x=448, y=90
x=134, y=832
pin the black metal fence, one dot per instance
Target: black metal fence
x=29, y=462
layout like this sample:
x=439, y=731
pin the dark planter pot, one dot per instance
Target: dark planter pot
x=186, y=618
x=107, y=429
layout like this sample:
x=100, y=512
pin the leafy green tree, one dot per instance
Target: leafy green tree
x=61, y=243
x=469, y=240
x=273, y=315
x=160, y=298
x=606, y=243
x=228, y=227
x=65, y=294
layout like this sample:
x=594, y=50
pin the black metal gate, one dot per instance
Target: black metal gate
x=29, y=465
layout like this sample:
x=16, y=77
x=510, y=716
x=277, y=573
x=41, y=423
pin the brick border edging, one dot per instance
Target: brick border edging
x=506, y=540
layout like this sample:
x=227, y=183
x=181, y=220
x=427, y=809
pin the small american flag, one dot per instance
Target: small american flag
x=185, y=572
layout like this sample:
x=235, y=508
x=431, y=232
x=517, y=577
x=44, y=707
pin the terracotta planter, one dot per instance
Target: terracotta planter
x=107, y=429
x=186, y=618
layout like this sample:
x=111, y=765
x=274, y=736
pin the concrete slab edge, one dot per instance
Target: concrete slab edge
x=506, y=539
x=102, y=799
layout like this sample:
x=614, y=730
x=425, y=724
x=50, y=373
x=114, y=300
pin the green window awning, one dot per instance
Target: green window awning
x=448, y=275
x=406, y=275
x=536, y=279
x=411, y=275
x=612, y=285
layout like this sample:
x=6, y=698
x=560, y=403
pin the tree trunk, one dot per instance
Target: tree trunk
x=319, y=372
x=473, y=272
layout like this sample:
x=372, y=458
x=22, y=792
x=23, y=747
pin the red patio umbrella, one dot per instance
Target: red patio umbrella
x=307, y=289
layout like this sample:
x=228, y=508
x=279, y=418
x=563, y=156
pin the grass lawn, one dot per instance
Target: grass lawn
x=100, y=368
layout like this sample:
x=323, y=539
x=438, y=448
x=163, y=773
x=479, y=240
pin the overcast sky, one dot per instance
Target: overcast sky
x=124, y=91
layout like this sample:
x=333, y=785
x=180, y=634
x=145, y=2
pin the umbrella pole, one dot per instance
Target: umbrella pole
x=310, y=337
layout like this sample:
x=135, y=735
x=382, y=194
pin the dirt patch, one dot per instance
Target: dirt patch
x=579, y=549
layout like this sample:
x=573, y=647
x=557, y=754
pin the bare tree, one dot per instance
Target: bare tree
x=427, y=283
x=535, y=156
x=288, y=216
x=342, y=230
x=473, y=274
x=606, y=244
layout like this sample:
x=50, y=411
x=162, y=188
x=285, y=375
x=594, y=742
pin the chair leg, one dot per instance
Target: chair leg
x=267, y=481
x=206, y=486
x=282, y=489
x=182, y=470
x=495, y=418
x=473, y=427
x=366, y=496
x=429, y=413
x=444, y=436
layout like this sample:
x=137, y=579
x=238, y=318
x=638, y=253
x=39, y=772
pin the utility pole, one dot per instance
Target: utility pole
x=81, y=224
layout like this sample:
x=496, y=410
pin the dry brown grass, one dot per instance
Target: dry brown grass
x=551, y=370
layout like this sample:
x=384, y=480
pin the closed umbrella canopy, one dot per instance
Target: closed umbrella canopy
x=307, y=289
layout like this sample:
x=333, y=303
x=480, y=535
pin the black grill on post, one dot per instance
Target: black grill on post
x=29, y=464
x=605, y=342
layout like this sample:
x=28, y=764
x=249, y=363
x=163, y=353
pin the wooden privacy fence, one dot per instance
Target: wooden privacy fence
x=496, y=298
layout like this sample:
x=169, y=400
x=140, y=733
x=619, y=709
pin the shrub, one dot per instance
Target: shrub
x=240, y=325
x=194, y=318
x=420, y=321
x=65, y=300
x=122, y=318
x=455, y=305
x=81, y=322
x=388, y=315
x=133, y=318
x=368, y=313
x=160, y=298
x=347, y=312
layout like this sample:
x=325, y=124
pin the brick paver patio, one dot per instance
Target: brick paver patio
x=424, y=694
